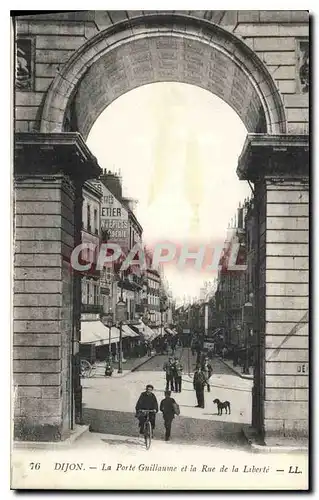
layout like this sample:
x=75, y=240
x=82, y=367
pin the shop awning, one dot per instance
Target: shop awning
x=94, y=332
x=150, y=332
x=169, y=331
x=219, y=330
x=145, y=330
x=156, y=332
x=128, y=332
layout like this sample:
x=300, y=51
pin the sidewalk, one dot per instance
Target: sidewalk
x=274, y=444
x=237, y=369
x=130, y=365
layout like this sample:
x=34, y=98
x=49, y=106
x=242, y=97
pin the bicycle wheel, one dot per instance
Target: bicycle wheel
x=147, y=434
x=86, y=368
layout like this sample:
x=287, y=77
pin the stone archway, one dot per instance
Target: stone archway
x=52, y=165
x=149, y=50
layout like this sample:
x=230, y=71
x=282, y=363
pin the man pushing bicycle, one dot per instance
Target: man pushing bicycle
x=146, y=401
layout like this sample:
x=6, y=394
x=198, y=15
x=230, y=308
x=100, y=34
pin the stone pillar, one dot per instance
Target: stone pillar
x=48, y=170
x=279, y=168
x=76, y=380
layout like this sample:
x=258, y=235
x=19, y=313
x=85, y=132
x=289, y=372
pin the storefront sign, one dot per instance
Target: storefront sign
x=114, y=219
x=302, y=369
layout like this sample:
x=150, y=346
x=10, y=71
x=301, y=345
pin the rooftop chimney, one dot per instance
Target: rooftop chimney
x=240, y=218
x=113, y=182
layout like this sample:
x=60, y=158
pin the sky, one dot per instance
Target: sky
x=176, y=147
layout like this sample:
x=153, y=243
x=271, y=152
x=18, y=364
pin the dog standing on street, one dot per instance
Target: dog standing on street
x=222, y=406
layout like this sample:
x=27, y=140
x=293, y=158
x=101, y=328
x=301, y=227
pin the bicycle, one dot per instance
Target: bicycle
x=147, y=427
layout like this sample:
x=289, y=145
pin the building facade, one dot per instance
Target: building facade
x=231, y=293
x=91, y=305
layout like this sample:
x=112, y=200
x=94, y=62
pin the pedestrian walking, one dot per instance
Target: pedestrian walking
x=169, y=408
x=207, y=370
x=198, y=352
x=193, y=346
x=177, y=374
x=165, y=346
x=108, y=367
x=173, y=347
x=199, y=383
x=168, y=367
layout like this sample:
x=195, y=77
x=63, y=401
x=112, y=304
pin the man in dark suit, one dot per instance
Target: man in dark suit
x=207, y=370
x=169, y=371
x=146, y=401
x=199, y=383
x=177, y=374
x=167, y=407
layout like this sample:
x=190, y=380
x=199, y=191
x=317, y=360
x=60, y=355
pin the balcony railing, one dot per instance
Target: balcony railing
x=91, y=308
x=131, y=282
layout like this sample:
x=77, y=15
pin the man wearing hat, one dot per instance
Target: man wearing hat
x=177, y=374
x=169, y=370
x=146, y=401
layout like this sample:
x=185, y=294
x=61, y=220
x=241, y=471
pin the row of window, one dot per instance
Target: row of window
x=154, y=285
x=91, y=221
x=90, y=293
x=153, y=299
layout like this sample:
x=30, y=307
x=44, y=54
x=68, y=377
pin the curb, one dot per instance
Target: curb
x=241, y=375
x=75, y=434
x=263, y=448
x=143, y=362
x=134, y=368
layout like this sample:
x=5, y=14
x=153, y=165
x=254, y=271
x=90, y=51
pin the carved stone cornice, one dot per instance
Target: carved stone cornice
x=49, y=154
x=274, y=155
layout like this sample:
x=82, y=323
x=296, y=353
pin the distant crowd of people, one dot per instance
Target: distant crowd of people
x=238, y=354
x=167, y=344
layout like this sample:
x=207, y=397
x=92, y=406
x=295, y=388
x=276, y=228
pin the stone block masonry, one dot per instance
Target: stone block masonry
x=279, y=167
x=273, y=35
x=287, y=290
x=49, y=173
x=44, y=236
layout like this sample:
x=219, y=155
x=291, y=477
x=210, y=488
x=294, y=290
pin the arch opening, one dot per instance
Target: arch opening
x=169, y=142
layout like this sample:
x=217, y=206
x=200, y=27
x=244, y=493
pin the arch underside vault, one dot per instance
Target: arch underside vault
x=165, y=59
x=114, y=63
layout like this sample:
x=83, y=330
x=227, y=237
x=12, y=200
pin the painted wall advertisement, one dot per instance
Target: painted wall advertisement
x=114, y=219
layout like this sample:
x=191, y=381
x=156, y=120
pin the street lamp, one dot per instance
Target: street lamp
x=120, y=317
x=109, y=324
x=162, y=322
